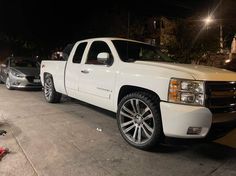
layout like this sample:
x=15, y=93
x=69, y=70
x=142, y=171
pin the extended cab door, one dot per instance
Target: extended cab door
x=97, y=79
x=73, y=68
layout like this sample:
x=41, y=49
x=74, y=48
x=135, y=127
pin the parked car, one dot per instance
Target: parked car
x=20, y=72
x=151, y=94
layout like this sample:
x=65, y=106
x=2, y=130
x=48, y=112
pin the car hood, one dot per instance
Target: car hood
x=27, y=71
x=198, y=72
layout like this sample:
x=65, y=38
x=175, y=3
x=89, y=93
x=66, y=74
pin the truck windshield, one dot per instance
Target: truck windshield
x=133, y=51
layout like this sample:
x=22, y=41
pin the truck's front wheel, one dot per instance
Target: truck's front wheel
x=139, y=120
x=50, y=94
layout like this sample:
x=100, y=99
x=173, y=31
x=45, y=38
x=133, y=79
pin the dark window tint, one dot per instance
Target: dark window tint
x=134, y=51
x=66, y=51
x=21, y=62
x=96, y=48
x=79, y=52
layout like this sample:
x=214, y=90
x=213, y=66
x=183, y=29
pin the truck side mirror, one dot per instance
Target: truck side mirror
x=104, y=58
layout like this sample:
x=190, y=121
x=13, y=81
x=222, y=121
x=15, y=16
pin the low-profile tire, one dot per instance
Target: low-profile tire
x=50, y=94
x=139, y=120
x=8, y=84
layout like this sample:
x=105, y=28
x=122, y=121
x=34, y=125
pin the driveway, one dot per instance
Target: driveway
x=75, y=139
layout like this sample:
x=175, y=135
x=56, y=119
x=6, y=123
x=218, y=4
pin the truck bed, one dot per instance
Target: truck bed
x=57, y=70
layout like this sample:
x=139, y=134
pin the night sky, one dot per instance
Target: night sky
x=58, y=22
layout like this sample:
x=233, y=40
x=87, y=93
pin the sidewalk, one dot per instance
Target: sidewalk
x=14, y=163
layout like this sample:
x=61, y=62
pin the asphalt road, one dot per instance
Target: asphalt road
x=75, y=139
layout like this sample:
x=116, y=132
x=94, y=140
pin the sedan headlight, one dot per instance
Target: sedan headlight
x=186, y=92
x=17, y=74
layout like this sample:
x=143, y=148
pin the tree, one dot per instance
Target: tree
x=193, y=41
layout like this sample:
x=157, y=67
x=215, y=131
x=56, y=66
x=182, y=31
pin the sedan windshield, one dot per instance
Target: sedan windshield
x=23, y=63
x=134, y=51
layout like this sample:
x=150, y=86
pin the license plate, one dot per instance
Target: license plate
x=36, y=80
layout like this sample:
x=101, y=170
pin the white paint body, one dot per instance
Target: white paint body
x=102, y=84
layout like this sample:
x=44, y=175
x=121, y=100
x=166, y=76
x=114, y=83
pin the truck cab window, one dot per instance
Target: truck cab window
x=79, y=52
x=96, y=48
x=66, y=51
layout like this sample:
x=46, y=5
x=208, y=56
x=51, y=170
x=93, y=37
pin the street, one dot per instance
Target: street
x=76, y=139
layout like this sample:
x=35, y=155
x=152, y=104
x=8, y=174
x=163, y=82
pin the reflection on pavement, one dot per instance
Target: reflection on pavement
x=228, y=140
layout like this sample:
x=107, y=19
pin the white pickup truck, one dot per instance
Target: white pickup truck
x=152, y=96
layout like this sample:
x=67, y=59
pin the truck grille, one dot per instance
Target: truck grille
x=221, y=96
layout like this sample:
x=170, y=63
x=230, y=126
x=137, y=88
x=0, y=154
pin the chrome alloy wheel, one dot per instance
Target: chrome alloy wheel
x=137, y=121
x=48, y=88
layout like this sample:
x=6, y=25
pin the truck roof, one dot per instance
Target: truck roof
x=112, y=38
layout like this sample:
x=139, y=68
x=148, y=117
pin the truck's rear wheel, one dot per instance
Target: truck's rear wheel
x=139, y=121
x=50, y=94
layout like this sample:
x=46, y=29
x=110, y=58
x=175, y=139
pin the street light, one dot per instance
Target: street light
x=208, y=20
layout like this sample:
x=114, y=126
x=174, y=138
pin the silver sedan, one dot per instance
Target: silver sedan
x=18, y=72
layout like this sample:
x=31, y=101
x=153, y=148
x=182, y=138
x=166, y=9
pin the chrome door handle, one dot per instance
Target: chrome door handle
x=84, y=71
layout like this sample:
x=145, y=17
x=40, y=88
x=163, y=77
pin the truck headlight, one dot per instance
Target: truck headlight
x=186, y=92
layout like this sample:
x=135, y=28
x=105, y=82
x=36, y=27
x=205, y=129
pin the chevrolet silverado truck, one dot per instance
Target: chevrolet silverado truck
x=151, y=95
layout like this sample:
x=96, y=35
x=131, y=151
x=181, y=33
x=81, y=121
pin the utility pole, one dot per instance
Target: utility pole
x=221, y=28
x=128, y=24
x=221, y=38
